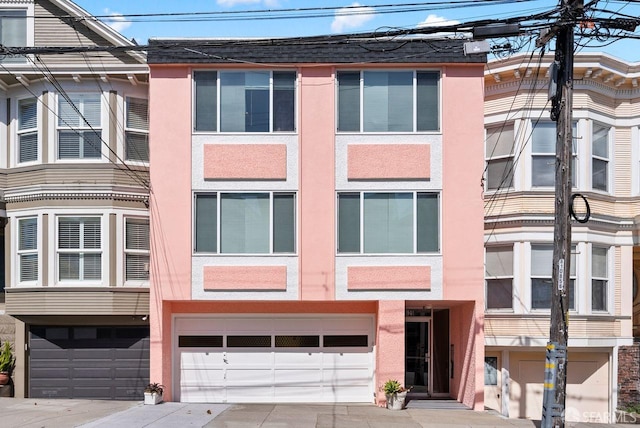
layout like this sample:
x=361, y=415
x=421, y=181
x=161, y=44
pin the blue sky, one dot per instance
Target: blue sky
x=142, y=28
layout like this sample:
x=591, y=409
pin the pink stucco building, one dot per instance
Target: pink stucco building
x=316, y=219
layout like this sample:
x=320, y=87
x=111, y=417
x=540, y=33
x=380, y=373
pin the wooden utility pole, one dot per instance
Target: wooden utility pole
x=562, y=107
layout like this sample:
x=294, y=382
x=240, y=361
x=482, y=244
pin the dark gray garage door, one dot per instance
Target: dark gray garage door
x=103, y=362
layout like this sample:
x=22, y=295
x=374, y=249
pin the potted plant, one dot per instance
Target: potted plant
x=153, y=393
x=396, y=394
x=6, y=363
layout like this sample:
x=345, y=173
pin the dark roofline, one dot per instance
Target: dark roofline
x=317, y=50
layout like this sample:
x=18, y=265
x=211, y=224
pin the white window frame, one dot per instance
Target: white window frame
x=414, y=100
x=82, y=127
x=574, y=277
x=29, y=8
x=34, y=130
x=101, y=251
x=414, y=225
x=218, y=195
x=488, y=277
x=607, y=279
x=271, y=101
x=20, y=253
x=575, y=180
x=607, y=160
x=134, y=251
x=135, y=131
x=492, y=158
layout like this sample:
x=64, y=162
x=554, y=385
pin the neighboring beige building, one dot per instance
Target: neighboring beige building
x=74, y=196
x=519, y=217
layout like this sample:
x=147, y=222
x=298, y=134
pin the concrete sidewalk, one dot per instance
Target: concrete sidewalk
x=35, y=413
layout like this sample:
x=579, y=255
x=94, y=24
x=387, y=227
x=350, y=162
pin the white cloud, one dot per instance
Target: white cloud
x=231, y=3
x=440, y=21
x=348, y=18
x=116, y=21
x=437, y=21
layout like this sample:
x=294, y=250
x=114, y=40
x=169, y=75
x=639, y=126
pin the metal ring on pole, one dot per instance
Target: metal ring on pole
x=573, y=213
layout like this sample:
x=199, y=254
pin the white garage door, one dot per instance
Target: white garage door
x=286, y=359
x=587, y=386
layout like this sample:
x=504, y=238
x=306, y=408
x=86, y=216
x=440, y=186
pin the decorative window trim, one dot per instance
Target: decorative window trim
x=140, y=253
x=81, y=251
x=130, y=129
x=22, y=252
x=97, y=131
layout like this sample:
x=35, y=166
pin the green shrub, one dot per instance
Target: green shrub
x=6, y=358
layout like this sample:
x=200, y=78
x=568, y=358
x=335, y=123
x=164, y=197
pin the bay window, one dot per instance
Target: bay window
x=79, y=126
x=388, y=101
x=137, y=130
x=28, y=249
x=384, y=222
x=543, y=157
x=599, y=279
x=499, y=277
x=28, y=130
x=244, y=101
x=541, y=276
x=245, y=223
x=136, y=249
x=600, y=158
x=499, y=157
x=79, y=249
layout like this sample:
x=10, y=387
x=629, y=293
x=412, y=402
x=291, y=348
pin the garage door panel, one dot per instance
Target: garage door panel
x=249, y=393
x=346, y=360
x=346, y=377
x=191, y=360
x=53, y=370
x=85, y=363
x=298, y=394
x=243, y=376
x=91, y=373
x=297, y=359
x=293, y=368
x=249, y=359
x=202, y=394
x=346, y=394
x=297, y=377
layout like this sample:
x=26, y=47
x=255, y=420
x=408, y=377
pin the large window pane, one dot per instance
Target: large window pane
x=428, y=100
x=284, y=223
x=499, y=277
x=244, y=223
x=13, y=33
x=206, y=94
x=500, y=174
x=541, y=281
x=600, y=173
x=206, y=223
x=428, y=223
x=349, y=223
x=349, y=101
x=500, y=293
x=244, y=101
x=388, y=101
x=599, y=281
x=388, y=223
